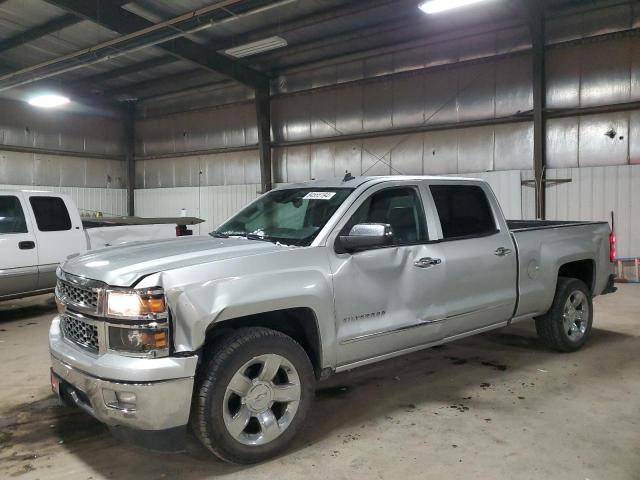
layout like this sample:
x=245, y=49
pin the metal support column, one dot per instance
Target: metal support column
x=130, y=151
x=263, y=114
x=536, y=28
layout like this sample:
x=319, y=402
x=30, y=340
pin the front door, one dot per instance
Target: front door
x=18, y=250
x=387, y=299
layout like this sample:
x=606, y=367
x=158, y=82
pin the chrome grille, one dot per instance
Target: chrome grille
x=81, y=332
x=83, y=297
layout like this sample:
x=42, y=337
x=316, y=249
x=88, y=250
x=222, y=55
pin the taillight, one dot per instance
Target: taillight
x=612, y=247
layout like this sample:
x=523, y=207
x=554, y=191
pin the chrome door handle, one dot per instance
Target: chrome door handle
x=501, y=251
x=427, y=262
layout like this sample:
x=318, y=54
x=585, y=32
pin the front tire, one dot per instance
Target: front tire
x=253, y=395
x=567, y=325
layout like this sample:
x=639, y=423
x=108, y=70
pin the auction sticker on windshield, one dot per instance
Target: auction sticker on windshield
x=319, y=196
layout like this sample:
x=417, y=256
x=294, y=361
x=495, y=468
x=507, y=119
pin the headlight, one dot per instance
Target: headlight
x=138, y=339
x=145, y=332
x=148, y=304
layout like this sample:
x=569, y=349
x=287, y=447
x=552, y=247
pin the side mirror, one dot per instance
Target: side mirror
x=364, y=236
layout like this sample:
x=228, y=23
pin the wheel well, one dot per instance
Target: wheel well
x=581, y=269
x=298, y=323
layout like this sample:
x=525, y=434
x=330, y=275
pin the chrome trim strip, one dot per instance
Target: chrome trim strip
x=386, y=356
x=81, y=282
x=421, y=323
x=478, y=310
x=367, y=336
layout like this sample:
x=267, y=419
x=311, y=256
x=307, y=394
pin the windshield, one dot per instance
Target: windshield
x=291, y=216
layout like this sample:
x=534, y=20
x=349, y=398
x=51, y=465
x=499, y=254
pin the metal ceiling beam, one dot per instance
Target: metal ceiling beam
x=352, y=8
x=124, y=22
x=40, y=31
x=134, y=88
x=127, y=70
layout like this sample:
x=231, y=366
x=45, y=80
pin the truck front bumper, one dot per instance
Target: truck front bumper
x=141, y=394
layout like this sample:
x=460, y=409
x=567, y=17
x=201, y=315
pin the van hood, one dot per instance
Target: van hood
x=125, y=264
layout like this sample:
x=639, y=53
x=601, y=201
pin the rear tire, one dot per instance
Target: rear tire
x=253, y=395
x=567, y=325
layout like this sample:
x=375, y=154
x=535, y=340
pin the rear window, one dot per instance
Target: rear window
x=464, y=210
x=51, y=214
x=11, y=215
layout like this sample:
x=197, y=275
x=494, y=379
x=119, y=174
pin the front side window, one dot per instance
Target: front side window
x=51, y=214
x=464, y=210
x=11, y=215
x=399, y=207
x=291, y=216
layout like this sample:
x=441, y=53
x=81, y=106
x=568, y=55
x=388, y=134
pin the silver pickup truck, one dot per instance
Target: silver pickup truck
x=230, y=332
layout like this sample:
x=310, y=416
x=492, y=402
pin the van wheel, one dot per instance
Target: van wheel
x=253, y=395
x=567, y=325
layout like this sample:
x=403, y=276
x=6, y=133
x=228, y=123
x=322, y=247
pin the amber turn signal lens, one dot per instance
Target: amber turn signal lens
x=59, y=305
x=153, y=305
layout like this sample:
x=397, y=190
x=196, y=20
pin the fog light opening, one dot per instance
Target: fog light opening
x=126, y=401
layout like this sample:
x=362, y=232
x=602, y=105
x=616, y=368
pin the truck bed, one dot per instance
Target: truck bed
x=522, y=225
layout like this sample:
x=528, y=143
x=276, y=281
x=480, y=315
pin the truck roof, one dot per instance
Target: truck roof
x=339, y=182
x=29, y=190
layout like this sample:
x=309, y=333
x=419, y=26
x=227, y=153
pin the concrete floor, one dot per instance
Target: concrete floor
x=493, y=406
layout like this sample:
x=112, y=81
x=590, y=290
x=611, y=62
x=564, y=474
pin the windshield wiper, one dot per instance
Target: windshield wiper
x=253, y=236
x=248, y=236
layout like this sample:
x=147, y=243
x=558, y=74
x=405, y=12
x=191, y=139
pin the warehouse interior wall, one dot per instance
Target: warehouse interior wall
x=458, y=104
x=79, y=153
x=454, y=104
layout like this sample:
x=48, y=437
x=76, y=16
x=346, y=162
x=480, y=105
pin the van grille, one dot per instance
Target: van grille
x=81, y=332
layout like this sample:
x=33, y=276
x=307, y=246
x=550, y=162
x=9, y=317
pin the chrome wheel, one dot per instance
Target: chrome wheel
x=261, y=399
x=575, y=316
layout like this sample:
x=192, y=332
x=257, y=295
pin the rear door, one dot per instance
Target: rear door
x=478, y=254
x=18, y=250
x=58, y=231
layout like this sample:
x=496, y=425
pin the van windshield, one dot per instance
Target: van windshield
x=292, y=216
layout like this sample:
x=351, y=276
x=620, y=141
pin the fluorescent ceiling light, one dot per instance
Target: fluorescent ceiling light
x=437, y=6
x=260, y=46
x=48, y=101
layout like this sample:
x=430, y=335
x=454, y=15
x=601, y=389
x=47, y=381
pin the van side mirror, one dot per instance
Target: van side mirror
x=364, y=236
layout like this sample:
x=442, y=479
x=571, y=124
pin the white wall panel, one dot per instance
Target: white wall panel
x=593, y=193
x=214, y=204
x=109, y=201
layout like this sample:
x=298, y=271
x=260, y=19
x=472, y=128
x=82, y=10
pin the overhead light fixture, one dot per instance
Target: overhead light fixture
x=437, y=6
x=254, y=48
x=48, y=101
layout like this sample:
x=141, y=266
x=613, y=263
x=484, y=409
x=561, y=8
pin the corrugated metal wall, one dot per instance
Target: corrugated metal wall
x=22, y=168
x=81, y=131
x=77, y=153
x=595, y=192
x=377, y=113
x=478, y=149
x=214, y=204
x=230, y=168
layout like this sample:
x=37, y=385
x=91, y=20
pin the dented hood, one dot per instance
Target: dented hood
x=124, y=265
